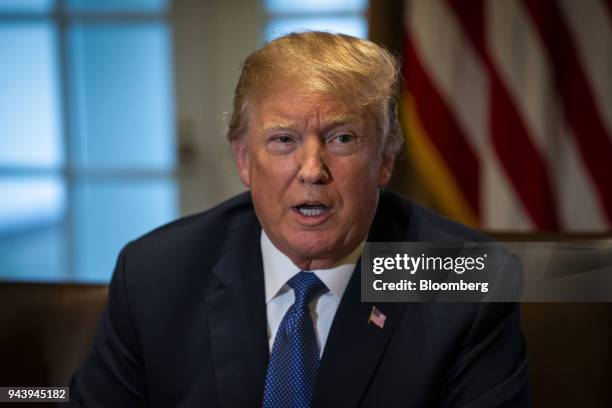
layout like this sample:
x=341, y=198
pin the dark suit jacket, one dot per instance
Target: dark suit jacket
x=185, y=326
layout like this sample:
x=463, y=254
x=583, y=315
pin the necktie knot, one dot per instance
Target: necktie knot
x=306, y=285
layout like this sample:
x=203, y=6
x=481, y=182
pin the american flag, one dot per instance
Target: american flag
x=377, y=317
x=507, y=110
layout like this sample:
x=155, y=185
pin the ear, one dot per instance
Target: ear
x=386, y=169
x=241, y=155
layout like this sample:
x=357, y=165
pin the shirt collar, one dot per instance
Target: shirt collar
x=278, y=269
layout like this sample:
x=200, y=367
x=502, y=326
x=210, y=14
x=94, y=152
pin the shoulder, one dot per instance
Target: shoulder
x=185, y=249
x=171, y=268
x=405, y=220
x=208, y=228
x=401, y=220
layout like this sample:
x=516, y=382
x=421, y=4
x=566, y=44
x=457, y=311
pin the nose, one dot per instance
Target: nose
x=313, y=169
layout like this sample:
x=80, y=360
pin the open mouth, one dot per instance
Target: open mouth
x=311, y=209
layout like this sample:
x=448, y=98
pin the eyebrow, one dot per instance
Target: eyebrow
x=344, y=119
x=279, y=125
x=330, y=123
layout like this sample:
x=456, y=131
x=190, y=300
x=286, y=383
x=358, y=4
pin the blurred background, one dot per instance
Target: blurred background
x=113, y=117
x=113, y=114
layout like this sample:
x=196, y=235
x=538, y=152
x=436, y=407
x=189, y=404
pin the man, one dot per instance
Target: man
x=257, y=301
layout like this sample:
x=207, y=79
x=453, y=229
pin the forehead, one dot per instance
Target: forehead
x=294, y=107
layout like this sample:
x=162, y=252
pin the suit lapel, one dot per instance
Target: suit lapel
x=237, y=320
x=353, y=349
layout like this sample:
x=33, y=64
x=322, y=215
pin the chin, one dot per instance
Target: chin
x=313, y=245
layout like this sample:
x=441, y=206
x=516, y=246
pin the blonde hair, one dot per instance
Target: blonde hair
x=354, y=71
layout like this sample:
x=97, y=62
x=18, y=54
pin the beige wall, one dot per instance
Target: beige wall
x=211, y=37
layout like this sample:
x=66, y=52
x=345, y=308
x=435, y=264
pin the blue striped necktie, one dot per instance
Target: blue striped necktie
x=294, y=361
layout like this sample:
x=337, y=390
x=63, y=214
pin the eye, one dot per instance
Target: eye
x=281, y=144
x=343, y=143
x=343, y=138
x=283, y=139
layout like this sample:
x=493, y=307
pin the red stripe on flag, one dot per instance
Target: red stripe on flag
x=519, y=156
x=471, y=15
x=579, y=104
x=442, y=128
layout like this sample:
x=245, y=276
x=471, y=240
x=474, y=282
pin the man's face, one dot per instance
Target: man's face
x=314, y=168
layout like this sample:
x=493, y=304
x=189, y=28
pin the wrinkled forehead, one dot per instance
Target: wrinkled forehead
x=288, y=107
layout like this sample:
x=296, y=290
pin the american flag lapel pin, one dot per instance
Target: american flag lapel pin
x=377, y=317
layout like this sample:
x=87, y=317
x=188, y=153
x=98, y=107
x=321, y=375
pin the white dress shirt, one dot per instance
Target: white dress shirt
x=278, y=270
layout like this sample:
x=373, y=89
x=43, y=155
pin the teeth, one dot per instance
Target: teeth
x=311, y=212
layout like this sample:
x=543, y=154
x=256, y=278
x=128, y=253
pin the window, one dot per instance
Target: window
x=87, y=143
x=338, y=16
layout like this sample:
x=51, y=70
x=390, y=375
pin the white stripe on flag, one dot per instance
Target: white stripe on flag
x=590, y=27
